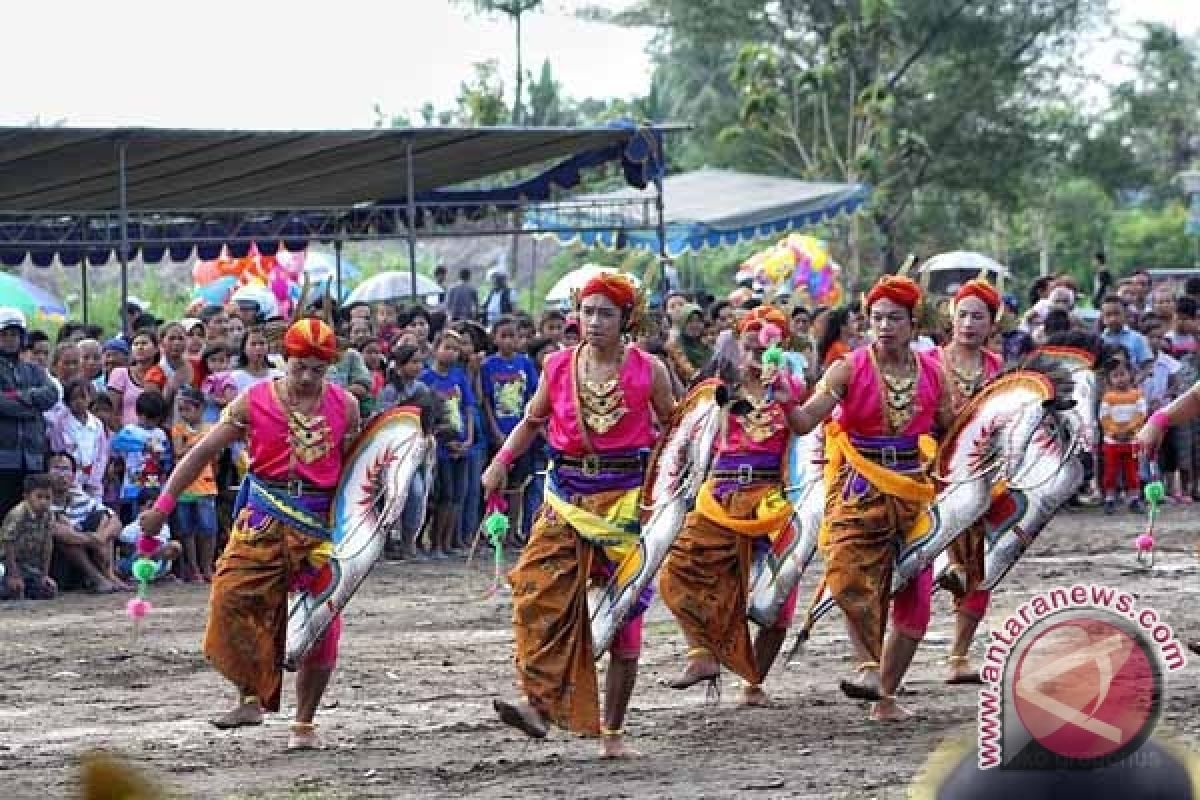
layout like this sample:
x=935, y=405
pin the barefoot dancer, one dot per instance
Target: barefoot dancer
x=598, y=402
x=1183, y=410
x=968, y=366
x=887, y=398
x=296, y=428
x=740, y=509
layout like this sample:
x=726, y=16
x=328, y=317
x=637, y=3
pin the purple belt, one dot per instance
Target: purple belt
x=734, y=471
x=897, y=453
x=596, y=477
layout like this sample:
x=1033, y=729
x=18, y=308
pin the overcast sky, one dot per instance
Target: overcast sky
x=302, y=64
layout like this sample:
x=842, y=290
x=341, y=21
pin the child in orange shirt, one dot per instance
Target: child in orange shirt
x=196, y=509
x=1122, y=413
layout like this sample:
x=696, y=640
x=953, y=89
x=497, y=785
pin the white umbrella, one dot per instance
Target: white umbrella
x=964, y=260
x=392, y=286
x=561, y=293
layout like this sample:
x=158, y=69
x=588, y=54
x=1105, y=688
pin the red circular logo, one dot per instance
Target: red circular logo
x=1087, y=687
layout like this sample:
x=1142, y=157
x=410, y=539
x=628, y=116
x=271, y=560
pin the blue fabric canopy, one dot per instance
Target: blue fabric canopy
x=192, y=191
x=706, y=208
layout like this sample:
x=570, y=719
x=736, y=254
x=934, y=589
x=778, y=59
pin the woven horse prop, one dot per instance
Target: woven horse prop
x=369, y=500
x=676, y=469
x=1017, y=438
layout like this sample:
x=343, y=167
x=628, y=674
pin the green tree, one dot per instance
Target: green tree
x=547, y=105
x=481, y=101
x=514, y=10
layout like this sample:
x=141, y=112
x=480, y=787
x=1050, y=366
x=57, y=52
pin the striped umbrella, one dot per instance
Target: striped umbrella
x=36, y=303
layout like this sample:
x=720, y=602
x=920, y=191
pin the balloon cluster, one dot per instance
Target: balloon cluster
x=271, y=280
x=799, y=264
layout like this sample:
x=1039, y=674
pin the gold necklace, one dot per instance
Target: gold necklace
x=898, y=395
x=601, y=402
x=309, y=435
x=759, y=424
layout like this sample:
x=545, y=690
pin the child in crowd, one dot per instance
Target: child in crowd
x=452, y=386
x=508, y=380
x=27, y=541
x=76, y=430
x=539, y=455
x=1184, y=440
x=1122, y=413
x=196, y=509
x=405, y=389
x=145, y=450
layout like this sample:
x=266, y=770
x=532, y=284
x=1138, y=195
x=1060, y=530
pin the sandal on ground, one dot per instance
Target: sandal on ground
x=512, y=715
x=858, y=691
x=971, y=678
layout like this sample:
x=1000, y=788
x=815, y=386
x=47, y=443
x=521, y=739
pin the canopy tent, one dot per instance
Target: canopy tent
x=63, y=190
x=78, y=195
x=705, y=208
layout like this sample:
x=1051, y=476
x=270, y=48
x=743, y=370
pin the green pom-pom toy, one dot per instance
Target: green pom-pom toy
x=496, y=527
x=1155, y=493
x=773, y=356
x=144, y=570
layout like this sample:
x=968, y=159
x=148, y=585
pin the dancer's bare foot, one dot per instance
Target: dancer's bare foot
x=865, y=686
x=522, y=716
x=754, y=697
x=248, y=712
x=613, y=745
x=888, y=710
x=303, y=736
x=961, y=671
x=699, y=669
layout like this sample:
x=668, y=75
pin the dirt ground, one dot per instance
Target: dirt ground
x=423, y=654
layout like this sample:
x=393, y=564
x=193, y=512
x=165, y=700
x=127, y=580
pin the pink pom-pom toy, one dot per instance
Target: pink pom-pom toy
x=147, y=546
x=1144, y=543
x=137, y=608
x=769, y=335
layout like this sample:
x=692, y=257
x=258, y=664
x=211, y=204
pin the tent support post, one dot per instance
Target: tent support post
x=337, y=268
x=410, y=196
x=122, y=190
x=83, y=289
x=662, y=239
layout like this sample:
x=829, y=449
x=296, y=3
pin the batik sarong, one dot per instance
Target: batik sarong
x=587, y=525
x=277, y=544
x=705, y=578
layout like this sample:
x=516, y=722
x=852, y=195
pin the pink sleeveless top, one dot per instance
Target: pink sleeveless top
x=633, y=431
x=738, y=441
x=993, y=364
x=862, y=412
x=317, y=461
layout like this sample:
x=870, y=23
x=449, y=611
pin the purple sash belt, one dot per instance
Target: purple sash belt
x=897, y=453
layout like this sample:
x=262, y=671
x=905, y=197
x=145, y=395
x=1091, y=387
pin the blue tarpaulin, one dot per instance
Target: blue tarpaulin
x=707, y=208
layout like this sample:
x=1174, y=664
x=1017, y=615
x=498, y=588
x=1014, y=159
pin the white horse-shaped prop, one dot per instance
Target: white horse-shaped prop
x=369, y=500
x=1013, y=447
x=676, y=469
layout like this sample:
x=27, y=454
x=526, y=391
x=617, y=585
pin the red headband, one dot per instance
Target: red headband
x=310, y=338
x=899, y=289
x=982, y=290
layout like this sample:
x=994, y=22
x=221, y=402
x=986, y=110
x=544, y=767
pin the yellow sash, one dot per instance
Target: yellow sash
x=770, y=516
x=839, y=450
x=616, y=531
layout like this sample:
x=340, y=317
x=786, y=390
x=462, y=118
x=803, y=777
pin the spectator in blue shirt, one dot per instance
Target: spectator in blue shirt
x=508, y=380
x=1117, y=334
x=455, y=436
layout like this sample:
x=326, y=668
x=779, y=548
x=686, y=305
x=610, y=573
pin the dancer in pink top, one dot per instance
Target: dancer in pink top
x=597, y=404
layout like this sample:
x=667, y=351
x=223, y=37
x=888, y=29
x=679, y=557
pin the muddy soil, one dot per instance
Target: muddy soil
x=424, y=652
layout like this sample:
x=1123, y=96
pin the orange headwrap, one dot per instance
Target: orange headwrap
x=899, y=289
x=761, y=316
x=310, y=338
x=982, y=290
x=614, y=286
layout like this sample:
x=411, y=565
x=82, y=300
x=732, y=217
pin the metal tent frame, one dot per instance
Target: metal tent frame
x=39, y=168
